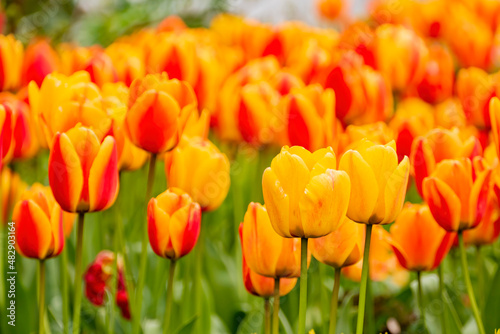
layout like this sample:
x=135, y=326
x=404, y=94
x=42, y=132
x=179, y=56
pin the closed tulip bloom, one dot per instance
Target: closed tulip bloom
x=173, y=223
x=83, y=172
x=128, y=61
x=379, y=133
x=488, y=230
x=305, y=196
x=12, y=189
x=475, y=88
x=39, y=61
x=39, y=224
x=418, y=241
x=157, y=107
x=198, y=167
x=6, y=140
x=400, y=54
x=378, y=182
x=11, y=58
x=456, y=194
x=437, y=145
x=342, y=247
x=266, y=252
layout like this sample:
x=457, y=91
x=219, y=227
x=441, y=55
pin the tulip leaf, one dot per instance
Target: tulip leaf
x=188, y=326
x=491, y=321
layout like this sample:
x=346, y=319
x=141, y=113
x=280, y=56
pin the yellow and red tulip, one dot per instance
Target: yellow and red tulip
x=11, y=60
x=39, y=61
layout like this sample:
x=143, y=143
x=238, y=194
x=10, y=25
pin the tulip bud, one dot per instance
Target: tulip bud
x=341, y=248
x=456, y=194
x=11, y=58
x=39, y=61
x=378, y=183
x=39, y=224
x=297, y=188
x=419, y=243
x=173, y=223
x=199, y=168
x=83, y=173
x=267, y=253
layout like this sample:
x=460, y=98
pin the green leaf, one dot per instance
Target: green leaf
x=188, y=326
x=491, y=321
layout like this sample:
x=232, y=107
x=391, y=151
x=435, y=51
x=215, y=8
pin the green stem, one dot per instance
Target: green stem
x=144, y=252
x=465, y=269
x=267, y=316
x=480, y=277
x=303, y=286
x=421, y=300
x=276, y=308
x=444, y=329
x=41, y=300
x=168, y=304
x=78, y=274
x=335, y=300
x=364, y=280
x=64, y=289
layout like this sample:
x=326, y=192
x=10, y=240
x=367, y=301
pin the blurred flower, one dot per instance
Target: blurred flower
x=83, y=172
x=128, y=61
x=456, y=194
x=39, y=224
x=437, y=145
x=39, y=61
x=475, y=88
x=171, y=23
x=101, y=69
x=378, y=133
x=330, y=9
x=412, y=119
x=450, y=114
x=200, y=169
x=267, y=253
x=12, y=189
x=173, y=223
x=400, y=54
x=378, y=183
x=342, y=247
x=11, y=59
x=296, y=188
x=6, y=135
x=488, y=230
x=495, y=122
x=419, y=243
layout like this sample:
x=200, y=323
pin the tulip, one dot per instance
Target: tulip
x=378, y=186
x=199, y=168
x=12, y=189
x=6, y=140
x=127, y=60
x=495, y=122
x=295, y=188
x=435, y=146
x=378, y=133
x=400, y=54
x=450, y=114
x=329, y=9
x=171, y=23
x=39, y=61
x=268, y=254
x=11, y=57
x=457, y=197
x=156, y=104
x=101, y=69
x=341, y=248
x=488, y=230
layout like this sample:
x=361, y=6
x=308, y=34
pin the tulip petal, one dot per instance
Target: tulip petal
x=65, y=173
x=185, y=229
x=158, y=230
x=103, y=177
x=444, y=204
x=57, y=222
x=478, y=198
x=33, y=230
x=277, y=203
x=395, y=191
x=364, y=187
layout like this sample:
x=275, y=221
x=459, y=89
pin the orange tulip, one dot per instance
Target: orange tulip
x=39, y=224
x=128, y=61
x=341, y=248
x=400, y=55
x=488, y=230
x=11, y=58
x=101, y=69
x=173, y=223
x=330, y=9
x=437, y=145
x=267, y=253
x=39, y=61
x=83, y=172
x=171, y=23
x=419, y=243
x=475, y=88
x=495, y=122
x=439, y=74
x=12, y=189
x=412, y=119
x=158, y=108
x=456, y=194
x=199, y=168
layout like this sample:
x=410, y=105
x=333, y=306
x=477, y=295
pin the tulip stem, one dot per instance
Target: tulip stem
x=41, y=300
x=421, y=300
x=267, y=316
x=78, y=274
x=64, y=289
x=444, y=329
x=276, y=310
x=334, y=304
x=144, y=251
x=364, y=280
x=480, y=277
x=168, y=304
x=303, y=286
x=465, y=269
